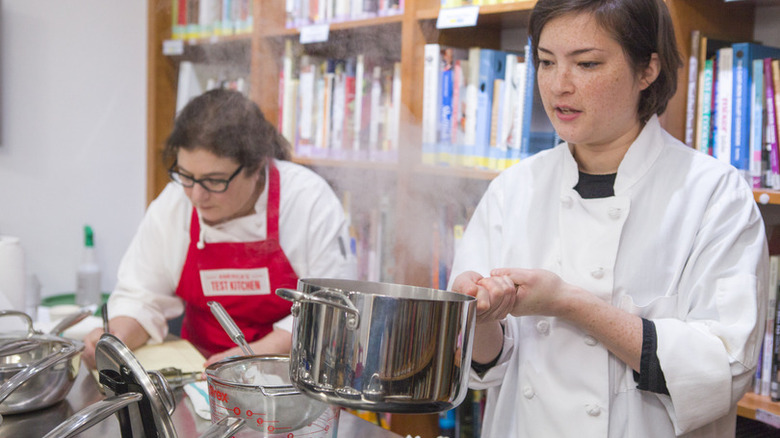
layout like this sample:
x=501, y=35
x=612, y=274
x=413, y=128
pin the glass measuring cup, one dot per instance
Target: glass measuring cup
x=258, y=389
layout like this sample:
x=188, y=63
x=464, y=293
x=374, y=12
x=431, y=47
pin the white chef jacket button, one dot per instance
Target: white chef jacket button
x=597, y=273
x=566, y=200
x=543, y=327
x=593, y=410
x=590, y=340
x=528, y=392
x=614, y=213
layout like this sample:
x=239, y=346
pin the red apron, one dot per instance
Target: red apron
x=242, y=276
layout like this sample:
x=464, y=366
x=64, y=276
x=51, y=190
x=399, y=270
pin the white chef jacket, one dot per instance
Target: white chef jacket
x=681, y=243
x=312, y=233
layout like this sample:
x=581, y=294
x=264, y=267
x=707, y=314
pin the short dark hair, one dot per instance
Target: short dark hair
x=227, y=124
x=641, y=27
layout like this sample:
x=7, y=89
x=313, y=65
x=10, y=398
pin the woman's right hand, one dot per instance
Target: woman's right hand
x=495, y=295
x=127, y=329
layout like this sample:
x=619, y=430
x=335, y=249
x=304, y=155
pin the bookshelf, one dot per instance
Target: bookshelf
x=403, y=38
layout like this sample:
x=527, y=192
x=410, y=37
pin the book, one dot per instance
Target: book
x=376, y=110
x=757, y=120
x=693, y=74
x=706, y=62
x=287, y=110
x=431, y=101
x=774, y=377
x=764, y=368
x=508, y=95
x=338, y=115
x=775, y=68
x=306, y=87
x=491, y=67
x=516, y=133
x=394, y=112
x=724, y=87
x=188, y=86
x=357, y=123
x=772, y=178
x=466, y=149
x=743, y=55
x=444, y=143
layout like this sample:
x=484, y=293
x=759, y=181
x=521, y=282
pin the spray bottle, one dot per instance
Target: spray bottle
x=88, y=290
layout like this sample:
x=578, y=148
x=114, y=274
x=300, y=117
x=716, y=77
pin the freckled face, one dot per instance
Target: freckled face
x=587, y=85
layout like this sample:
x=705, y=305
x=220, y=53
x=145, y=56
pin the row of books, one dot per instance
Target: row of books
x=767, y=377
x=194, y=19
x=464, y=421
x=732, y=106
x=446, y=232
x=305, y=12
x=371, y=238
x=344, y=109
x=196, y=78
x=481, y=108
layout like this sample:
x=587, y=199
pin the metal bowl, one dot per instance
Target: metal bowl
x=40, y=373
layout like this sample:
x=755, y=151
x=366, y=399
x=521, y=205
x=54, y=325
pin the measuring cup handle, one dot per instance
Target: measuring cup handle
x=93, y=414
x=224, y=428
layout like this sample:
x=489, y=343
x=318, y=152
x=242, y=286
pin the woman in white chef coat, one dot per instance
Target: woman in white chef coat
x=237, y=222
x=619, y=276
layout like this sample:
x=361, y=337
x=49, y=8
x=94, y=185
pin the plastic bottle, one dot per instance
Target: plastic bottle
x=88, y=275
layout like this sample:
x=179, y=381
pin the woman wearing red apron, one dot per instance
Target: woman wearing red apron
x=242, y=276
x=237, y=221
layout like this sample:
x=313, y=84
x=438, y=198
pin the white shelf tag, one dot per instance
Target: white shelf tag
x=768, y=417
x=173, y=47
x=315, y=33
x=457, y=17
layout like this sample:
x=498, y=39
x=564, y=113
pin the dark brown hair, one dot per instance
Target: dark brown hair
x=641, y=27
x=227, y=124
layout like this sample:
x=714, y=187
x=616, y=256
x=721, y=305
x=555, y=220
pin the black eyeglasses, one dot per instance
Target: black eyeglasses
x=212, y=185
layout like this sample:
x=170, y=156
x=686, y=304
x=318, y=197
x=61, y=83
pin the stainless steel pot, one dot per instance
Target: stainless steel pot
x=36, y=370
x=379, y=346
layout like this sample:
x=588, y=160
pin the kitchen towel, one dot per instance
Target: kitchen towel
x=12, y=274
x=198, y=393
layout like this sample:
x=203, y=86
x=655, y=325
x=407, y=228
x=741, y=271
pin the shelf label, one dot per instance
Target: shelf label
x=768, y=417
x=173, y=47
x=457, y=17
x=315, y=33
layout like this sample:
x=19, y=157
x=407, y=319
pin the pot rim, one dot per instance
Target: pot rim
x=370, y=288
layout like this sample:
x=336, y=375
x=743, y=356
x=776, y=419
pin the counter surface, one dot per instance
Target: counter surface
x=85, y=392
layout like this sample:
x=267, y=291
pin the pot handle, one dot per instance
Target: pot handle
x=224, y=428
x=327, y=297
x=93, y=414
x=24, y=316
x=41, y=365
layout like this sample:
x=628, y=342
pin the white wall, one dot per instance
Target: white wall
x=72, y=131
